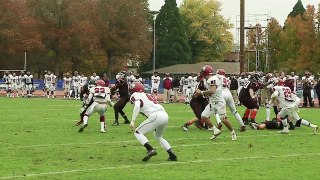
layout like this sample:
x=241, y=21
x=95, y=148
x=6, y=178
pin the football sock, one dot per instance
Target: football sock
x=85, y=119
x=238, y=118
x=284, y=122
x=253, y=114
x=275, y=109
x=141, y=138
x=268, y=113
x=148, y=146
x=307, y=123
x=246, y=114
x=218, y=118
x=102, y=120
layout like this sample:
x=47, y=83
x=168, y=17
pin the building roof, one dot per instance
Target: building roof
x=229, y=67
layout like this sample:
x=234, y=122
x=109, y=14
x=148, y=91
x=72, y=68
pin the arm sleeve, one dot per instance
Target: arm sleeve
x=136, y=110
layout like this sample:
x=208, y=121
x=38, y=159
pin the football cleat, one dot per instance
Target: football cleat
x=126, y=122
x=173, y=158
x=233, y=136
x=79, y=122
x=83, y=127
x=185, y=127
x=215, y=134
x=150, y=153
x=242, y=128
x=103, y=131
x=285, y=130
x=116, y=123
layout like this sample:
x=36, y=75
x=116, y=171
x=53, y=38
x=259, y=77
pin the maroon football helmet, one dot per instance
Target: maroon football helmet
x=100, y=83
x=221, y=72
x=206, y=70
x=137, y=87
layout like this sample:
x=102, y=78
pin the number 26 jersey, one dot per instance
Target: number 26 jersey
x=148, y=104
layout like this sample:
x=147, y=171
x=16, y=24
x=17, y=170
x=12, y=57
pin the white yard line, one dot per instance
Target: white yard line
x=205, y=138
x=158, y=164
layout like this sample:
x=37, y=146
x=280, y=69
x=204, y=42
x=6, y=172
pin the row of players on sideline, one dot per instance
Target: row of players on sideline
x=210, y=98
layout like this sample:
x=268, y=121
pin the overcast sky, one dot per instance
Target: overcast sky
x=231, y=9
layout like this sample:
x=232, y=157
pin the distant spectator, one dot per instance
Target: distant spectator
x=167, y=86
x=308, y=83
x=176, y=87
x=317, y=88
x=105, y=78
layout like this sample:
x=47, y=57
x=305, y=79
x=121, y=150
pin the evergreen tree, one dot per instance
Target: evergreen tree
x=298, y=9
x=172, y=43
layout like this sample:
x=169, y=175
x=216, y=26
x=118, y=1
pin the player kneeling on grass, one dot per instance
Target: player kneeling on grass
x=101, y=96
x=157, y=121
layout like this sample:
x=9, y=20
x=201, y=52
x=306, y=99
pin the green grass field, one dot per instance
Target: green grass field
x=39, y=140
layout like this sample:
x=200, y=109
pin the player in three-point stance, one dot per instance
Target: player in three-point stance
x=157, y=120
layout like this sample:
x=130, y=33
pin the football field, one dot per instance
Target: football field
x=39, y=140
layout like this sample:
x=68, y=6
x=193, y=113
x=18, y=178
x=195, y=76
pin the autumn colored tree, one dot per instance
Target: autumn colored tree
x=274, y=30
x=207, y=29
x=18, y=33
x=124, y=31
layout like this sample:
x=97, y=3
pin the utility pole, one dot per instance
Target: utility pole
x=242, y=5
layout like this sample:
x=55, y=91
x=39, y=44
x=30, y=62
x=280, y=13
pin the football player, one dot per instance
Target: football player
x=157, y=121
x=67, y=86
x=155, y=82
x=14, y=85
x=22, y=83
x=94, y=77
x=217, y=104
x=100, y=96
x=122, y=86
x=221, y=74
x=197, y=104
x=249, y=99
x=76, y=84
x=29, y=84
x=50, y=84
x=289, y=109
x=184, y=82
x=7, y=80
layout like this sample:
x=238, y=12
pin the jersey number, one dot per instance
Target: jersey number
x=287, y=93
x=152, y=99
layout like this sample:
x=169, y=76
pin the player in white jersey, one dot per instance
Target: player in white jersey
x=217, y=104
x=50, y=84
x=7, y=81
x=14, y=85
x=289, y=109
x=94, y=77
x=225, y=83
x=137, y=78
x=130, y=77
x=100, y=95
x=296, y=79
x=194, y=82
x=184, y=82
x=22, y=83
x=155, y=82
x=29, y=84
x=67, y=86
x=157, y=121
x=242, y=80
x=76, y=85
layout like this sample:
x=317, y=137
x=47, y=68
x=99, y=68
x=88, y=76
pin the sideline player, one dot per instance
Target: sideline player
x=100, y=96
x=14, y=85
x=7, y=80
x=76, y=84
x=22, y=83
x=155, y=82
x=67, y=86
x=50, y=83
x=157, y=121
x=29, y=84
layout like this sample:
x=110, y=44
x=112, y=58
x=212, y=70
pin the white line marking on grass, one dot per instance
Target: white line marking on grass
x=158, y=164
x=130, y=141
